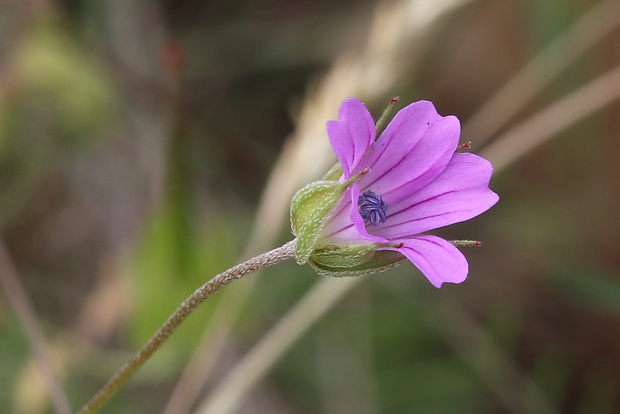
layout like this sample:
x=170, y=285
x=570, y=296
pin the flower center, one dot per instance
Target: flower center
x=372, y=208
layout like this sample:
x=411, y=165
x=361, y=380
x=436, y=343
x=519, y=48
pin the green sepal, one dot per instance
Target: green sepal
x=343, y=256
x=310, y=209
x=355, y=260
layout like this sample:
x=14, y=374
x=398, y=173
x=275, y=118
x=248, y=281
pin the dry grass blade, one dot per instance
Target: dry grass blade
x=560, y=54
x=25, y=313
x=560, y=115
x=226, y=397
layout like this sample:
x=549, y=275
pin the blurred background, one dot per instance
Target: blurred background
x=147, y=145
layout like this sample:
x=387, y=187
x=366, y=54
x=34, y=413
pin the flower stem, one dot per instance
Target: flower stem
x=191, y=303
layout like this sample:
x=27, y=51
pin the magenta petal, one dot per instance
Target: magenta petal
x=436, y=258
x=458, y=194
x=414, y=149
x=351, y=135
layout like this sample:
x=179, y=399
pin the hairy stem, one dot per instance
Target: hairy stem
x=191, y=303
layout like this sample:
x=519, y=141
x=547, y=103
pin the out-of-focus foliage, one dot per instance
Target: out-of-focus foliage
x=57, y=100
x=136, y=139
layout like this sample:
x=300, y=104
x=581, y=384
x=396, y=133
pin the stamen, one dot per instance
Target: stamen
x=372, y=208
x=466, y=243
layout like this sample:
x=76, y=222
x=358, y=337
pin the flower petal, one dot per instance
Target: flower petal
x=413, y=150
x=352, y=134
x=458, y=194
x=436, y=258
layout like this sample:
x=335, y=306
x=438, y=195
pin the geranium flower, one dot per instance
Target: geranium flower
x=393, y=191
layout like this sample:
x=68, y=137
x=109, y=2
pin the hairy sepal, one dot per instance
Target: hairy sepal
x=355, y=260
x=310, y=210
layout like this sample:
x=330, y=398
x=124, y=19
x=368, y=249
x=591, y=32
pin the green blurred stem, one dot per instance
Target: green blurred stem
x=191, y=303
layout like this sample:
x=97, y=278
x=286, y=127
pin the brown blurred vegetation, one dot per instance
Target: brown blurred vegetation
x=136, y=139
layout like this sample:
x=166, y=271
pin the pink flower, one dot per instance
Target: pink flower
x=416, y=183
